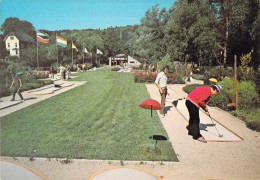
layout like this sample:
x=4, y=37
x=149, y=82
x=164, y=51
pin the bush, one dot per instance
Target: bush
x=144, y=76
x=190, y=87
x=29, y=80
x=175, y=79
x=198, y=76
x=149, y=77
x=247, y=95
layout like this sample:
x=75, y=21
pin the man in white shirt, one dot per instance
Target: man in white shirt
x=161, y=83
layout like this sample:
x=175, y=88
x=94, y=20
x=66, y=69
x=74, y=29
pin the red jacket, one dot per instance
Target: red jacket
x=200, y=96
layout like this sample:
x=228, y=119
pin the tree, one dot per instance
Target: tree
x=147, y=41
x=190, y=32
x=236, y=26
x=3, y=52
x=15, y=25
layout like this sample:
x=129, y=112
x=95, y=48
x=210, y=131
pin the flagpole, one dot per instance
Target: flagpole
x=57, y=52
x=83, y=53
x=91, y=58
x=37, y=52
x=72, y=52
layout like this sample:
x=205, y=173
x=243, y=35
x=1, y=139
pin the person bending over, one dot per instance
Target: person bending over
x=197, y=99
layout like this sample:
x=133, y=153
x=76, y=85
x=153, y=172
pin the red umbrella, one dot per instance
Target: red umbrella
x=153, y=105
x=148, y=103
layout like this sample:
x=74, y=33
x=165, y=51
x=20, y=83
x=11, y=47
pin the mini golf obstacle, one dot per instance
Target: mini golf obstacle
x=50, y=89
x=125, y=173
x=13, y=170
x=210, y=128
x=6, y=104
x=153, y=105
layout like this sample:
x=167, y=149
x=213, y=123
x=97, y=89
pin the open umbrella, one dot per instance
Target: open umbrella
x=152, y=105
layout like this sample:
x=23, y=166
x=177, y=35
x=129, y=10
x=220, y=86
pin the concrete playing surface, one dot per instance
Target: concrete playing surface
x=6, y=104
x=207, y=128
x=51, y=89
x=10, y=170
x=125, y=173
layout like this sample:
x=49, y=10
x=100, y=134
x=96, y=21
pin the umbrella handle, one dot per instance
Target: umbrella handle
x=151, y=111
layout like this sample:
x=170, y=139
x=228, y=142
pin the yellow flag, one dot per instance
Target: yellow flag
x=74, y=47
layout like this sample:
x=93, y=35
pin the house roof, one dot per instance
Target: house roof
x=21, y=36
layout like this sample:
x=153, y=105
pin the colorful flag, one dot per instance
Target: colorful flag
x=74, y=47
x=85, y=50
x=61, y=42
x=99, y=52
x=41, y=34
x=42, y=37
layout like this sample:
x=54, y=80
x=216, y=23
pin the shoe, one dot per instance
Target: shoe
x=190, y=133
x=162, y=115
x=21, y=100
x=12, y=100
x=202, y=139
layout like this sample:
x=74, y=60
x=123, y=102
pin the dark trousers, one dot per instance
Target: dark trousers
x=17, y=90
x=163, y=97
x=194, y=121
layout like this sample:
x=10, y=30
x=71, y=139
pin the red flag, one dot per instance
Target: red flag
x=40, y=39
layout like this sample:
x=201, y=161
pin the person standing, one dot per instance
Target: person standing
x=52, y=71
x=199, y=98
x=17, y=83
x=161, y=83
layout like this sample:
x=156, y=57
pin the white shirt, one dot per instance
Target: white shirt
x=161, y=79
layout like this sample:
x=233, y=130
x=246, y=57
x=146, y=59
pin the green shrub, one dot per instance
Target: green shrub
x=190, y=87
x=247, y=95
x=220, y=101
x=175, y=79
x=198, y=76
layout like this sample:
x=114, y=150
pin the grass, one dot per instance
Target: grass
x=98, y=120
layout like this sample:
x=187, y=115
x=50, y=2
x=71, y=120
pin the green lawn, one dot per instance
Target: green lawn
x=99, y=120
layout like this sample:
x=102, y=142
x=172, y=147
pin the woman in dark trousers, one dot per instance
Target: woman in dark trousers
x=17, y=83
x=197, y=99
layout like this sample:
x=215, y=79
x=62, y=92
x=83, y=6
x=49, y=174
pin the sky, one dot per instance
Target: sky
x=79, y=14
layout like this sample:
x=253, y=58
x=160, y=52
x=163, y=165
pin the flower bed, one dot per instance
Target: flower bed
x=116, y=69
x=149, y=77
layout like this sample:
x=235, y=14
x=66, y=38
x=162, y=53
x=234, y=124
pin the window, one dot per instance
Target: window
x=12, y=38
x=8, y=45
x=16, y=51
x=15, y=44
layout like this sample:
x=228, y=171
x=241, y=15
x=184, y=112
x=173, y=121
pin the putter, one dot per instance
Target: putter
x=219, y=135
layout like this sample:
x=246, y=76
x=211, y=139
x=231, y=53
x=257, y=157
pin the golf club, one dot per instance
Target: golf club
x=219, y=135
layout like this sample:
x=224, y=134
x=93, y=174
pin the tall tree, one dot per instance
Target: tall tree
x=190, y=32
x=236, y=23
x=16, y=25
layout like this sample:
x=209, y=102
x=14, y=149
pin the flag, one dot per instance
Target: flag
x=74, y=47
x=41, y=34
x=99, y=52
x=42, y=37
x=85, y=50
x=61, y=42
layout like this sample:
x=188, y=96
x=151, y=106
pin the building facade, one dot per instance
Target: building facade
x=16, y=41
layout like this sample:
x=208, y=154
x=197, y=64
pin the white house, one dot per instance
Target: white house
x=16, y=41
x=121, y=59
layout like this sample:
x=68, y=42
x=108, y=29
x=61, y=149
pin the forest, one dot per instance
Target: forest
x=205, y=32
